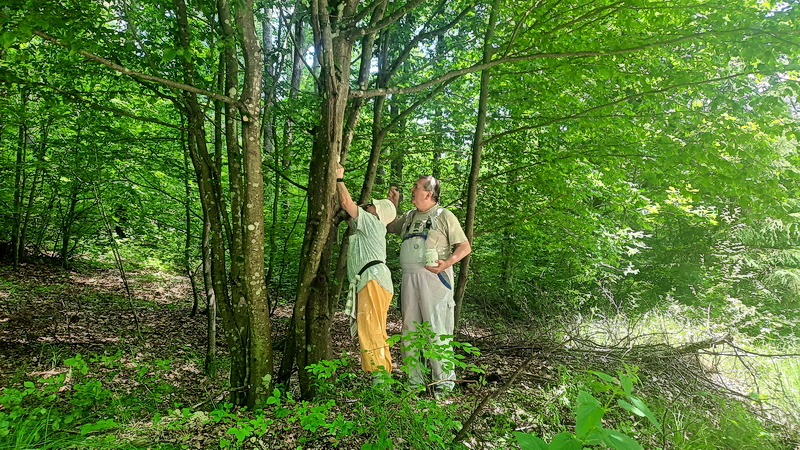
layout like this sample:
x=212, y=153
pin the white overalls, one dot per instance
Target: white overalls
x=426, y=298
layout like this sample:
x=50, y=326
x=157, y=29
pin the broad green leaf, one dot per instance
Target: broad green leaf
x=619, y=441
x=169, y=54
x=565, y=441
x=627, y=384
x=590, y=414
x=640, y=409
x=604, y=376
x=529, y=441
x=641, y=405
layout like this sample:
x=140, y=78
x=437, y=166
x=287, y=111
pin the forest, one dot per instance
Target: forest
x=173, y=253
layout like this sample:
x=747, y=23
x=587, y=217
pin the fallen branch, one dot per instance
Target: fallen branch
x=222, y=392
x=492, y=395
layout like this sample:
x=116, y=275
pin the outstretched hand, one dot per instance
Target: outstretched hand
x=394, y=195
x=340, y=171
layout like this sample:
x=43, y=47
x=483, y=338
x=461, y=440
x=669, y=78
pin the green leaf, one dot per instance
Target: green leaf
x=8, y=39
x=605, y=377
x=529, y=441
x=619, y=441
x=627, y=384
x=565, y=441
x=590, y=413
x=98, y=426
x=644, y=411
x=169, y=54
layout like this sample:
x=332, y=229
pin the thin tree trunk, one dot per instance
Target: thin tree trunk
x=19, y=185
x=477, y=150
x=211, y=300
x=236, y=185
x=66, y=229
x=334, y=58
x=353, y=113
x=117, y=259
x=187, y=247
x=284, y=161
x=45, y=221
x=271, y=81
x=37, y=175
x=214, y=209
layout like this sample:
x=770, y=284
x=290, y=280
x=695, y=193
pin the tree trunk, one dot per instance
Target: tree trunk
x=255, y=289
x=41, y=148
x=66, y=229
x=214, y=209
x=283, y=160
x=334, y=59
x=353, y=113
x=187, y=243
x=477, y=149
x=19, y=184
x=211, y=300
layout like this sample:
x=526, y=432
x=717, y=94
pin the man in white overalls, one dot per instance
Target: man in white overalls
x=426, y=293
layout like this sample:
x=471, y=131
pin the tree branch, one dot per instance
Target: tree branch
x=105, y=108
x=390, y=19
x=617, y=101
x=133, y=73
x=584, y=54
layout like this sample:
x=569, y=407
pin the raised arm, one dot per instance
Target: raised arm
x=344, y=195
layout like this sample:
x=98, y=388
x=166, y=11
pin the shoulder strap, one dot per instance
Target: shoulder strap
x=430, y=224
x=432, y=218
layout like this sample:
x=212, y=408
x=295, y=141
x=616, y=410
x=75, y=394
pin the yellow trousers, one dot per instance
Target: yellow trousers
x=373, y=306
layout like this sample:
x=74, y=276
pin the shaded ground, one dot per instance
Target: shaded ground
x=48, y=315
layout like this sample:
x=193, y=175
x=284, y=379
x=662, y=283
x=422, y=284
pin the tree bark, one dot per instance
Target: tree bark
x=255, y=288
x=66, y=229
x=334, y=58
x=19, y=183
x=213, y=209
x=477, y=150
x=38, y=174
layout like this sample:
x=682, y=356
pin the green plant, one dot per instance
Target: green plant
x=589, y=429
x=36, y=417
x=424, y=341
x=712, y=421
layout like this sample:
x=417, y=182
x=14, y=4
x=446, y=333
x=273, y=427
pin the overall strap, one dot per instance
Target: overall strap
x=430, y=224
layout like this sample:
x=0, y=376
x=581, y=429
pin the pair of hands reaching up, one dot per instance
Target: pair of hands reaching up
x=393, y=195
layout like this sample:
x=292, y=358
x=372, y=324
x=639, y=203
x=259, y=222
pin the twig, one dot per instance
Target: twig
x=118, y=259
x=468, y=424
x=224, y=391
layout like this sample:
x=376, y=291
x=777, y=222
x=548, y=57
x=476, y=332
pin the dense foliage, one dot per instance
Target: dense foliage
x=636, y=154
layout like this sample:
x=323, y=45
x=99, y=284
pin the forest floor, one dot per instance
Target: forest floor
x=48, y=315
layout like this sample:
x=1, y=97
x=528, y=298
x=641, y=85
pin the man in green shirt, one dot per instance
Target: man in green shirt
x=371, y=287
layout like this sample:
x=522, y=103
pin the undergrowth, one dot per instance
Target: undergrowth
x=82, y=403
x=82, y=408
